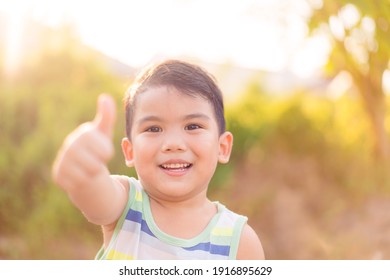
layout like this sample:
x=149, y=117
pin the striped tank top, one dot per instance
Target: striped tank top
x=136, y=236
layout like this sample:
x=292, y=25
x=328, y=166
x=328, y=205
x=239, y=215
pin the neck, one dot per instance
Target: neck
x=183, y=219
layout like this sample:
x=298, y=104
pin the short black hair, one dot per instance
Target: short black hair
x=185, y=77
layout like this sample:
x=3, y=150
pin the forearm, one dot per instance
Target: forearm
x=81, y=169
x=101, y=199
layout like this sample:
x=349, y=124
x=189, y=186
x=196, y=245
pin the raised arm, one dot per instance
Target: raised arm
x=81, y=167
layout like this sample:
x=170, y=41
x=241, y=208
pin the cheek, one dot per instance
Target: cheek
x=208, y=142
x=206, y=147
x=146, y=150
x=143, y=161
x=142, y=150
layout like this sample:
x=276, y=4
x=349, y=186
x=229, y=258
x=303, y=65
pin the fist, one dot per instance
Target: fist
x=85, y=152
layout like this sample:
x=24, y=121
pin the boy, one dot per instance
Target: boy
x=176, y=135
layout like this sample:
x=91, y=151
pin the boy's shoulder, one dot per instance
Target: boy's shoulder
x=123, y=180
x=250, y=246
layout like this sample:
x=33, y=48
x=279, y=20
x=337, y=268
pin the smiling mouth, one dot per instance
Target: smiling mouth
x=176, y=166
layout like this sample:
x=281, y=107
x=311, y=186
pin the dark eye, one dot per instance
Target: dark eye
x=154, y=129
x=192, y=127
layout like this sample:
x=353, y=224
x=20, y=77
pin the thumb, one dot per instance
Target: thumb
x=105, y=115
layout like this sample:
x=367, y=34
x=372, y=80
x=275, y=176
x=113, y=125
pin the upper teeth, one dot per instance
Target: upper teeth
x=175, y=165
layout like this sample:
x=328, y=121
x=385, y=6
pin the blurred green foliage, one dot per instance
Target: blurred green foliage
x=358, y=33
x=333, y=132
x=50, y=96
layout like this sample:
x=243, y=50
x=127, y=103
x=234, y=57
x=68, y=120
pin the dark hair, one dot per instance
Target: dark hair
x=185, y=77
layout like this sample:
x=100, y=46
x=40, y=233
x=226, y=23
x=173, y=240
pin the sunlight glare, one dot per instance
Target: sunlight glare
x=14, y=37
x=349, y=15
x=174, y=28
x=311, y=56
x=256, y=34
x=339, y=85
x=337, y=27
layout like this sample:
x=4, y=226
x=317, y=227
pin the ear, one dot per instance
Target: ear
x=127, y=149
x=225, y=147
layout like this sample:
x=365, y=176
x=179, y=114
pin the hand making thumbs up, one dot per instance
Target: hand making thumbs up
x=83, y=157
x=105, y=115
x=81, y=167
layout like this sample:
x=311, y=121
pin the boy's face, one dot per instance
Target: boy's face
x=175, y=144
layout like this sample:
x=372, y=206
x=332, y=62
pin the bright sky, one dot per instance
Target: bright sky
x=260, y=34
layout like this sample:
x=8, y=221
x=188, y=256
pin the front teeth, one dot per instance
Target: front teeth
x=175, y=165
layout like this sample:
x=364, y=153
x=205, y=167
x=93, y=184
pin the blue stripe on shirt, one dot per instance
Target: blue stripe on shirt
x=212, y=248
x=136, y=216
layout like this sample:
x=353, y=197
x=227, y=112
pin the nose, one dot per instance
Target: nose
x=173, y=142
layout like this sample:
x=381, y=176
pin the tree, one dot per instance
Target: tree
x=359, y=33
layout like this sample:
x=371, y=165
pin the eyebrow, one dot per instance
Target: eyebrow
x=196, y=116
x=148, y=119
x=152, y=118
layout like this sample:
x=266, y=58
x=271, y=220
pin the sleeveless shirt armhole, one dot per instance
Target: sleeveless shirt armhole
x=242, y=220
x=102, y=253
